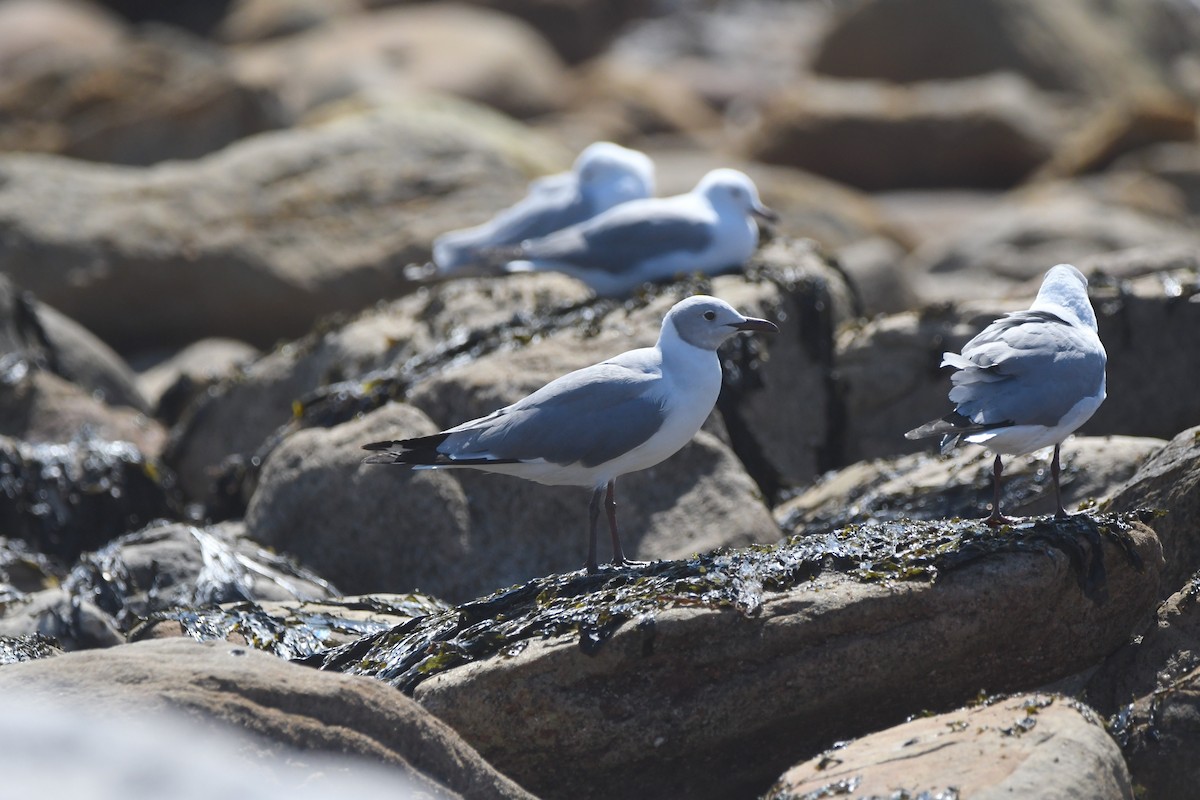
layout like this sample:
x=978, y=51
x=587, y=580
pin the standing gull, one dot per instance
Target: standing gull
x=604, y=175
x=1028, y=380
x=708, y=230
x=593, y=425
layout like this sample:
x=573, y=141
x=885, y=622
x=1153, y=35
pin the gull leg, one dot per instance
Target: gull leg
x=1060, y=513
x=996, y=517
x=610, y=506
x=593, y=518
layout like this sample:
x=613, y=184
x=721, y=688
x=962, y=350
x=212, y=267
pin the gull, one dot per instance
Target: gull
x=1028, y=380
x=603, y=176
x=593, y=425
x=707, y=230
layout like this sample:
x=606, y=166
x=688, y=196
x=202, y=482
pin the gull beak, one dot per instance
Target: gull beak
x=754, y=324
x=762, y=212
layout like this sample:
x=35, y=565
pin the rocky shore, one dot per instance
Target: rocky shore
x=209, y=212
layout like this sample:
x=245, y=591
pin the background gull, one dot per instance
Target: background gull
x=603, y=176
x=709, y=229
x=1028, y=380
x=597, y=423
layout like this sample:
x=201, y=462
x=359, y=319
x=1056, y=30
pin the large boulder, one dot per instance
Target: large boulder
x=257, y=241
x=1024, y=746
x=821, y=639
x=154, y=96
x=985, y=132
x=284, y=706
x=473, y=53
x=457, y=535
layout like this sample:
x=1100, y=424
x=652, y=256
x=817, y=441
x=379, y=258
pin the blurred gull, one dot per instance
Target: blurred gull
x=604, y=175
x=1028, y=380
x=708, y=230
x=597, y=423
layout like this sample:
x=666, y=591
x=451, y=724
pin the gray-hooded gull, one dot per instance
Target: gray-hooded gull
x=593, y=425
x=1028, y=380
x=709, y=230
x=603, y=176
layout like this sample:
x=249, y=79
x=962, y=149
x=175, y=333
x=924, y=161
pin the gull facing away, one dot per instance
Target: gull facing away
x=593, y=425
x=708, y=230
x=604, y=175
x=1028, y=380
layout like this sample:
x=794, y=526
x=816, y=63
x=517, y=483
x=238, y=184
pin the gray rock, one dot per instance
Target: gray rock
x=257, y=241
x=1167, y=483
x=89, y=363
x=284, y=706
x=176, y=381
x=924, y=486
x=473, y=53
x=256, y=20
x=458, y=534
x=158, y=95
x=34, y=32
x=990, y=132
x=1023, y=746
x=1073, y=46
x=820, y=655
x=1161, y=736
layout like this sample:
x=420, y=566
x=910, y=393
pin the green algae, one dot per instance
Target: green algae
x=592, y=607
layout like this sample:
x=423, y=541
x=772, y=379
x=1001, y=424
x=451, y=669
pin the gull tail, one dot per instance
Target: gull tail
x=952, y=428
x=422, y=453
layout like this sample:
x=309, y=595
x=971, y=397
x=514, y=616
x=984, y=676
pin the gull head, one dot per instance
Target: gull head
x=729, y=188
x=706, y=322
x=1066, y=287
x=614, y=173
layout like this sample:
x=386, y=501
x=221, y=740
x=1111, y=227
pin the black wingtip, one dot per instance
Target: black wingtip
x=381, y=445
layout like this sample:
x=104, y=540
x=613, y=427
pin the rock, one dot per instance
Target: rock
x=284, y=706
x=197, y=16
x=1177, y=163
x=34, y=32
x=821, y=639
x=989, y=132
x=150, y=755
x=924, y=486
x=473, y=53
x=1035, y=230
x=457, y=535
x=42, y=408
x=578, y=29
x=872, y=266
x=26, y=648
x=66, y=498
x=175, y=382
x=890, y=380
x=263, y=237
x=1167, y=483
x=1024, y=746
x=89, y=363
x=1073, y=46
x=255, y=20
x=1161, y=733
x=157, y=96
x=69, y=620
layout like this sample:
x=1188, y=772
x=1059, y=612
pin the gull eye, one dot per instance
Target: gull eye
x=710, y=315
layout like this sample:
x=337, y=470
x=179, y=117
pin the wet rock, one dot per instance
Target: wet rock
x=378, y=528
x=1167, y=483
x=1160, y=733
x=109, y=592
x=26, y=648
x=70, y=497
x=404, y=50
x=285, y=706
x=619, y=669
x=289, y=629
x=172, y=384
x=925, y=486
x=156, y=96
x=891, y=381
x=40, y=407
x=1073, y=46
x=1024, y=746
x=988, y=132
x=261, y=238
